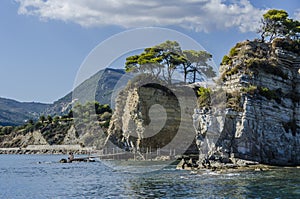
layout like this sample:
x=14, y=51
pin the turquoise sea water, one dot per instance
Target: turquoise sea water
x=40, y=176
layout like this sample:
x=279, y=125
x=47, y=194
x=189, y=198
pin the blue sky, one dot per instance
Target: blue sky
x=43, y=43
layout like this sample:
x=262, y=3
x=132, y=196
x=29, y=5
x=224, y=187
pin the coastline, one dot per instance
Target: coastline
x=239, y=165
x=49, y=149
x=242, y=166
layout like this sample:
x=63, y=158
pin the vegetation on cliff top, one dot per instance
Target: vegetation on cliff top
x=258, y=55
x=275, y=24
x=162, y=60
x=249, y=58
x=282, y=32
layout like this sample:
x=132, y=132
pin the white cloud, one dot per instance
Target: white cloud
x=199, y=15
x=297, y=14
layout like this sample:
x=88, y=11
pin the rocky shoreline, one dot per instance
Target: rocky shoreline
x=48, y=149
x=237, y=165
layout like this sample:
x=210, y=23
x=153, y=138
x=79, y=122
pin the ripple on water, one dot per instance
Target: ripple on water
x=95, y=180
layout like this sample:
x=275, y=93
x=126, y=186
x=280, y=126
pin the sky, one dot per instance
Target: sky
x=43, y=43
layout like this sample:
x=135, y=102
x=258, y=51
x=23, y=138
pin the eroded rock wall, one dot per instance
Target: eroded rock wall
x=266, y=126
x=154, y=117
x=261, y=123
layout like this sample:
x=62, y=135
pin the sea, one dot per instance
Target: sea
x=42, y=176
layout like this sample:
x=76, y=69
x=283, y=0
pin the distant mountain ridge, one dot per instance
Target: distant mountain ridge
x=13, y=113
x=103, y=82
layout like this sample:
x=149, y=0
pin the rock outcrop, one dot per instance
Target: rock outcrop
x=18, y=139
x=152, y=116
x=262, y=121
x=90, y=135
x=259, y=122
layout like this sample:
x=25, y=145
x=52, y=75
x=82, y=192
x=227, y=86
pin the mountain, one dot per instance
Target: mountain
x=99, y=87
x=14, y=113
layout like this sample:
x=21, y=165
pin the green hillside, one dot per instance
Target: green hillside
x=13, y=113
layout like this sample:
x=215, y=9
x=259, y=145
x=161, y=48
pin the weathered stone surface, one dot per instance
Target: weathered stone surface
x=260, y=128
x=22, y=140
x=152, y=116
x=264, y=130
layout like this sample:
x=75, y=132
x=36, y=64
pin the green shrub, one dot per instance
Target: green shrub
x=233, y=70
x=6, y=130
x=104, y=124
x=289, y=45
x=38, y=125
x=250, y=90
x=226, y=60
x=29, y=128
x=266, y=65
x=270, y=94
x=233, y=52
x=105, y=116
x=204, y=96
x=234, y=100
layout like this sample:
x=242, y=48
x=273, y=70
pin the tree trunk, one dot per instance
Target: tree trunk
x=185, y=74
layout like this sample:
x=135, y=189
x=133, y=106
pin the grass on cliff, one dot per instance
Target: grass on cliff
x=204, y=96
x=263, y=91
x=234, y=101
x=256, y=56
x=287, y=44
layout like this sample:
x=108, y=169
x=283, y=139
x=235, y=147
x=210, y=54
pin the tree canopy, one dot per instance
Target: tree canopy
x=196, y=63
x=164, y=59
x=275, y=23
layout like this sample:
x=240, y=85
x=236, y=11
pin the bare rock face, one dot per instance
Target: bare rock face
x=261, y=118
x=264, y=124
x=152, y=116
x=23, y=140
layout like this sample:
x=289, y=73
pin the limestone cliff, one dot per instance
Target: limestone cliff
x=18, y=139
x=261, y=118
x=262, y=121
x=150, y=116
x=63, y=133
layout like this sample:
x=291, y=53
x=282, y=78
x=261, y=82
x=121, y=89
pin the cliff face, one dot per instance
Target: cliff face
x=65, y=133
x=150, y=117
x=263, y=123
x=22, y=140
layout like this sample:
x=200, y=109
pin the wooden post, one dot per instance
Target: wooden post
x=147, y=153
x=134, y=155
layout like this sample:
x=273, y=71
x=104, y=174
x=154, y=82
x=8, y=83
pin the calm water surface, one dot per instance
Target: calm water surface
x=40, y=176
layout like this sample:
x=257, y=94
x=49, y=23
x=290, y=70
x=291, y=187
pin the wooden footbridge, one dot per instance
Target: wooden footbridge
x=118, y=154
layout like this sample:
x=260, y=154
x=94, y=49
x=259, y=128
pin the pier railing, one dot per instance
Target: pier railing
x=119, y=154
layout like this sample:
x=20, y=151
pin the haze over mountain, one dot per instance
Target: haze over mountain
x=14, y=113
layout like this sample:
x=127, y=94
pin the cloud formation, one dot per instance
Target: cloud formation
x=198, y=15
x=297, y=14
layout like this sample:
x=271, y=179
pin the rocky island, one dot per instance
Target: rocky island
x=250, y=115
x=261, y=118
